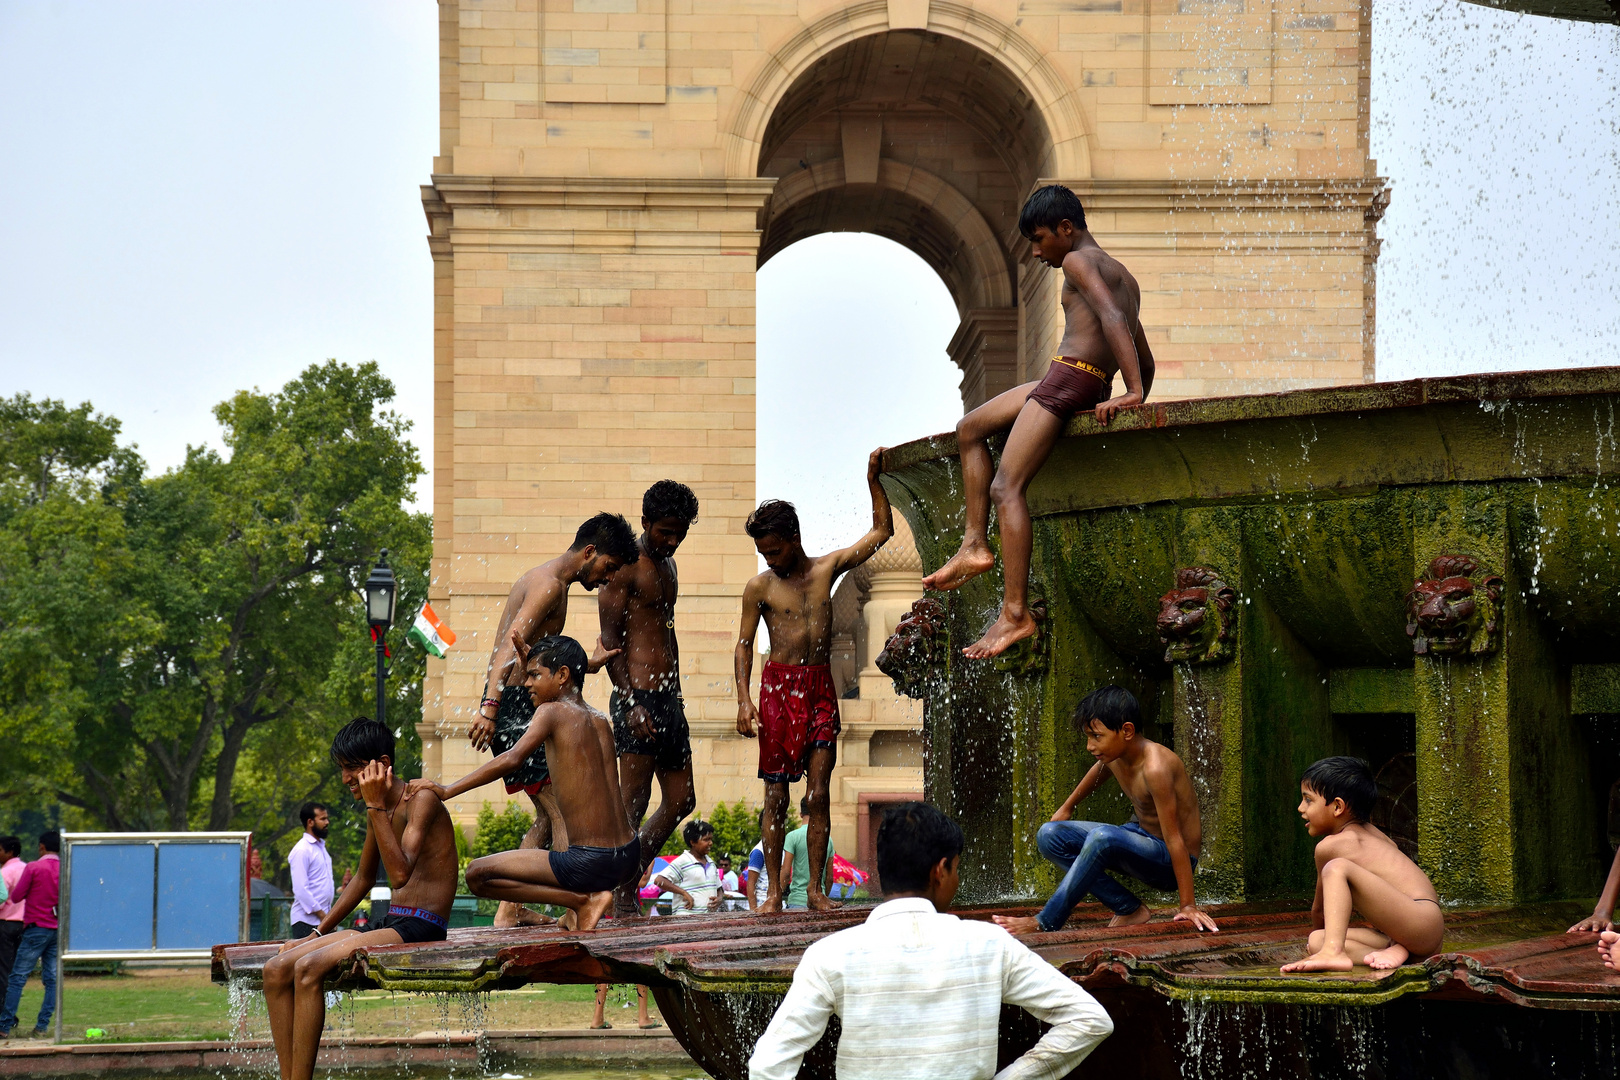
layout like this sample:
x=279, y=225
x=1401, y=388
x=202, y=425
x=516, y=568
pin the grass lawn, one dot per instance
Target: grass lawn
x=151, y=1004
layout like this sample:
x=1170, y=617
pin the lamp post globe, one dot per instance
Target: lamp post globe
x=381, y=593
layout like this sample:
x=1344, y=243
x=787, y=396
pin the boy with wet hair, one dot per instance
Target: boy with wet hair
x=1102, y=334
x=538, y=607
x=637, y=611
x=1158, y=846
x=797, y=720
x=603, y=849
x=1359, y=868
x=414, y=843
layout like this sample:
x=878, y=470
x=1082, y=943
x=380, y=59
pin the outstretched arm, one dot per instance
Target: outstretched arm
x=1084, y=277
x=1162, y=786
x=1088, y=783
x=743, y=661
x=533, y=737
x=882, y=521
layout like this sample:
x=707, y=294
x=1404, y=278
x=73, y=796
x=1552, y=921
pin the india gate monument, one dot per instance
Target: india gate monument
x=613, y=173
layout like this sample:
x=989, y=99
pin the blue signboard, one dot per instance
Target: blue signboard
x=133, y=894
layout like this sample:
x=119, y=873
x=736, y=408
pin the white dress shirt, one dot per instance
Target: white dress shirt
x=919, y=994
x=311, y=879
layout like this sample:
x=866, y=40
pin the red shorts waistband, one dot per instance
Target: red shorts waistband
x=798, y=667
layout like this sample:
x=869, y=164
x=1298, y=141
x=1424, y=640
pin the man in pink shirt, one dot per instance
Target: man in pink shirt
x=39, y=888
x=11, y=912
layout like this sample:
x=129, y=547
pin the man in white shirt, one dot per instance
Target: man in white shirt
x=311, y=867
x=919, y=992
x=690, y=875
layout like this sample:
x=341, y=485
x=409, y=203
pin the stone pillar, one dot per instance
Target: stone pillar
x=985, y=347
x=1494, y=730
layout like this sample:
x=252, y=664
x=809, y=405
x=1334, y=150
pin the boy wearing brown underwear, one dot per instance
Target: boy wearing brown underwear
x=1359, y=868
x=1102, y=334
x=797, y=719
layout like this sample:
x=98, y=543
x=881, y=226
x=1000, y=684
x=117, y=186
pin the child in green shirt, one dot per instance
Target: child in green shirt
x=796, y=863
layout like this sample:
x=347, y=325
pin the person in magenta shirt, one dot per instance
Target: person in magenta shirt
x=11, y=911
x=38, y=888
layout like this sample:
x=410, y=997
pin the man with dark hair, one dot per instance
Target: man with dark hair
x=1158, y=846
x=1102, y=335
x=637, y=612
x=414, y=843
x=311, y=867
x=537, y=607
x=38, y=889
x=691, y=876
x=918, y=991
x=603, y=850
x=1360, y=871
x=797, y=719
x=11, y=911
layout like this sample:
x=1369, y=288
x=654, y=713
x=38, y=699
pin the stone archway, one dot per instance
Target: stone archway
x=928, y=140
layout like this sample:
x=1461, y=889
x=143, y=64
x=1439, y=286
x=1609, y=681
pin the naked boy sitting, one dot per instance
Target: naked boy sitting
x=536, y=607
x=1102, y=334
x=414, y=844
x=797, y=719
x=1158, y=847
x=1359, y=868
x=602, y=849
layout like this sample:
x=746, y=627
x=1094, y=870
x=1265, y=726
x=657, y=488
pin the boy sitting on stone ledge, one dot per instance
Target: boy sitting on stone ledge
x=578, y=740
x=1158, y=846
x=1358, y=867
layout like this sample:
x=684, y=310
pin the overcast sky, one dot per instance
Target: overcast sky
x=202, y=197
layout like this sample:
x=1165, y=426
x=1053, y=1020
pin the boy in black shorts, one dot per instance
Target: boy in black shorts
x=414, y=843
x=637, y=609
x=578, y=740
x=1102, y=334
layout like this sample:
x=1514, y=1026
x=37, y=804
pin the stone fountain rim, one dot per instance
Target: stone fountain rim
x=1302, y=404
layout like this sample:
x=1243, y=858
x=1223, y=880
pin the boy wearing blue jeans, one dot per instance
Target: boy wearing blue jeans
x=1157, y=847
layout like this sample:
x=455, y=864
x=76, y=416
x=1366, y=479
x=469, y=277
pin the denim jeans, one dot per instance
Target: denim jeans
x=1084, y=849
x=38, y=943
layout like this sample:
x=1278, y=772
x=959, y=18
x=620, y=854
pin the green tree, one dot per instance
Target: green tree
x=194, y=638
x=499, y=832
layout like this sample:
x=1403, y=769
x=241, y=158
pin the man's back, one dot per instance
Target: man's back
x=585, y=772
x=919, y=994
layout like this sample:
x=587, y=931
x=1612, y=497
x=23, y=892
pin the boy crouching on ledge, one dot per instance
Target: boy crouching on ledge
x=1358, y=867
x=603, y=849
x=415, y=845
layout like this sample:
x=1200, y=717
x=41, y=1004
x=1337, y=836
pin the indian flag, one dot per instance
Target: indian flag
x=428, y=632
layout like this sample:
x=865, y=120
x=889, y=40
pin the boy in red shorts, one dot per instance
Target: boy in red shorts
x=797, y=718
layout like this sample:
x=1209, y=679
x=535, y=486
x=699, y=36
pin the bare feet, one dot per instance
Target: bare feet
x=1609, y=949
x=510, y=914
x=771, y=905
x=594, y=908
x=821, y=903
x=1384, y=959
x=1322, y=961
x=1019, y=924
x=971, y=560
x=1136, y=918
x=1003, y=633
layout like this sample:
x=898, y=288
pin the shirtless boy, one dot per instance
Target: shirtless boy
x=414, y=844
x=1158, y=846
x=602, y=849
x=1358, y=867
x=797, y=719
x=537, y=607
x=637, y=609
x=1102, y=334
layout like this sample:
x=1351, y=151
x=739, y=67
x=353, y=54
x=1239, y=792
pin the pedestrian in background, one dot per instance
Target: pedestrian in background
x=311, y=866
x=39, y=888
x=11, y=912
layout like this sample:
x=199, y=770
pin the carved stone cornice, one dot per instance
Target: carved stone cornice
x=592, y=192
x=1236, y=194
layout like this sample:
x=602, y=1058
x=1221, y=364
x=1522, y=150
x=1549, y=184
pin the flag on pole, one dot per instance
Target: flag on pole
x=428, y=632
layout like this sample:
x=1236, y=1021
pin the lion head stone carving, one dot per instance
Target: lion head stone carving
x=1196, y=621
x=1455, y=608
x=915, y=652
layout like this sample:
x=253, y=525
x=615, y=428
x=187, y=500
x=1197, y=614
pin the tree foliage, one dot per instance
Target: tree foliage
x=176, y=650
x=499, y=832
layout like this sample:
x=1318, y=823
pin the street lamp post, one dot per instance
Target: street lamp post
x=381, y=592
